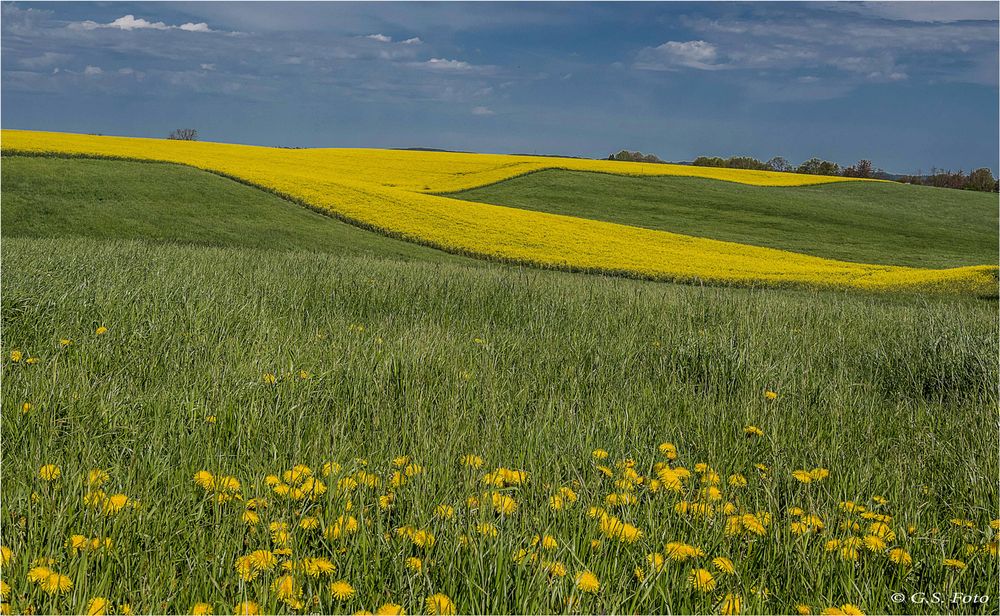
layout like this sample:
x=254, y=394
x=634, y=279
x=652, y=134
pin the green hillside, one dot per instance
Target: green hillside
x=866, y=222
x=105, y=199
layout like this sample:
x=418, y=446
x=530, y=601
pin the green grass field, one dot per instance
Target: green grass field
x=381, y=350
x=888, y=223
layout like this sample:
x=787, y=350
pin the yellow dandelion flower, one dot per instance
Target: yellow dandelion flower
x=309, y=523
x=16, y=355
x=803, y=609
x=995, y=524
x=848, y=553
x=442, y=604
x=962, y=523
x=731, y=604
x=486, y=529
x=724, y=565
x=587, y=582
x=414, y=564
x=472, y=461
x=881, y=530
x=49, y=472
x=851, y=610
x=4, y=590
x=345, y=525
x=26, y=408
x=753, y=524
x=246, y=608
x=953, y=563
x=205, y=479
x=554, y=568
x=202, y=609
x=655, y=561
x=668, y=450
x=753, y=431
x=444, y=511
x=874, y=544
x=390, y=609
x=114, y=503
x=101, y=330
x=503, y=504
x=819, y=474
x=286, y=589
x=737, y=481
x=556, y=502
x=98, y=606
x=599, y=454
x=701, y=580
x=900, y=557
x=56, y=583
x=802, y=476
x=65, y=342
x=270, y=378
x=341, y=590
x=770, y=395
x=31, y=360
x=679, y=552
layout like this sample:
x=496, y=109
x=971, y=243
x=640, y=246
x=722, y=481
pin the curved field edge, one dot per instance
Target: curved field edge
x=517, y=236
x=883, y=223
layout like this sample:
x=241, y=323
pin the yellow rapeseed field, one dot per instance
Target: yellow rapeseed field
x=392, y=192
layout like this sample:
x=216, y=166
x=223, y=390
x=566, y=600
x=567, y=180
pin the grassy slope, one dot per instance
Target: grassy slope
x=889, y=393
x=865, y=222
x=58, y=197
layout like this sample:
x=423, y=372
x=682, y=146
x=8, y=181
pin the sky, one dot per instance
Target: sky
x=909, y=86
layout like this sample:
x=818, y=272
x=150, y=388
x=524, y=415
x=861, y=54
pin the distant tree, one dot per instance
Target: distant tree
x=184, y=134
x=779, y=163
x=744, y=162
x=635, y=157
x=862, y=169
x=709, y=161
x=815, y=166
x=982, y=180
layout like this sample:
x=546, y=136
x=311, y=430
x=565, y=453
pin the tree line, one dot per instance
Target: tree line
x=980, y=179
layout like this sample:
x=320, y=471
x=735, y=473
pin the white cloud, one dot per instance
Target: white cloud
x=207, y=67
x=443, y=64
x=482, y=111
x=941, y=12
x=680, y=54
x=198, y=27
x=380, y=38
x=412, y=41
x=91, y=71
x=45, y=60
x=131, y=22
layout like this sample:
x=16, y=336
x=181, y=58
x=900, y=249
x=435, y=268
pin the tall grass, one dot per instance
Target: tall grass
x=895, y=395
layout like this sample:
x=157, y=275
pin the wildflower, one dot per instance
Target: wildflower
x=556, y=502
x=49, y=472
x=701, y=580
x=753, y=431
x=737, y=481
x=614, y=528
x=65, y=342
x=554, y=568
x=503, y=504
x=962, y=523
x=341, y=590
x=472, y=461
x=4, y=590
x=390, y=609
x=98, y=606
x=202, y=609
x=442, y=604
x=309, y=523
x=874, y=544
x=114, y=503
x=211, y=419
x=205, y=479
x=953, y=563
x=444, y=511
x=803, y=609
x=270, y=378
x=724, y=565
x=851, y=610
x=802, y=476
x=26, y=408
x=16, y=355
x=900, y=557
x=587, y=582
x=286, y=589
x=414, y=564
x=599, y=454
x=770, y=395
x=655, y=561
x=345, y=525
x=679, y=552
x=55, y=583
x=731, y=604
x=100, y=331
x=487, y=529
x=881, y=530
x=246, y=608
x=668, y=450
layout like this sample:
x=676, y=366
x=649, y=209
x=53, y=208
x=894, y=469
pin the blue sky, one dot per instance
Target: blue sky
x=908, y=85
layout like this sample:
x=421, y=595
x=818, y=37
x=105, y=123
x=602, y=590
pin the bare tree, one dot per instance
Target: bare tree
x=184, y=134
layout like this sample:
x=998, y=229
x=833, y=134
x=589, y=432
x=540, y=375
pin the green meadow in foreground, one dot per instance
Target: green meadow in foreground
x=188, y=427
x=868, y=222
